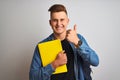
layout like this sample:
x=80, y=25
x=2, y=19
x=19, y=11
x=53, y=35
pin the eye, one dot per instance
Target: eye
x=54, y=20
x=62, y=20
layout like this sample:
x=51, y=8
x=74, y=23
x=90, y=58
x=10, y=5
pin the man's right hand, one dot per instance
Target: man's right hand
x=60, y=60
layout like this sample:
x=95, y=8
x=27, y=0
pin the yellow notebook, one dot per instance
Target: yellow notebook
x=48, y=52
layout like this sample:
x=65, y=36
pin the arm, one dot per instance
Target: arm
x=87, y=53
x=37, y=72
x=83, y=50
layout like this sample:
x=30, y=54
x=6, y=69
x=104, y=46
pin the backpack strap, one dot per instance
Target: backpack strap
x=86, y=69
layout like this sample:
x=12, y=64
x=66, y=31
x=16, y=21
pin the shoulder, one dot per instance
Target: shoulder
x=80, y=36
x=49, y=38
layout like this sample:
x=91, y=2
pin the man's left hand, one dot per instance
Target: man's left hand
x=71, y=35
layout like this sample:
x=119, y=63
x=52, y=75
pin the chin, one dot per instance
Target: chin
x=58, y=33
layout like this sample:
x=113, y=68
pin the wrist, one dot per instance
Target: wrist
x=54, y=64
x=78, y=43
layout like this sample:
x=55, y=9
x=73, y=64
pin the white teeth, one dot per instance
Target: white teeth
x=59, y=28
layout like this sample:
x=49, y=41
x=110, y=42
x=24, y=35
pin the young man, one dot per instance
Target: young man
x=78, y=55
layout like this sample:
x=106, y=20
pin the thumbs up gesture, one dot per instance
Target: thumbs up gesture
x=71, y=35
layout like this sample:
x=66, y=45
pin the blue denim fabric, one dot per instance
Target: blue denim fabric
x=37, y=72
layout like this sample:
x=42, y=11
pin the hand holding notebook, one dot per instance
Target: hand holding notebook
x=49, y=51
x=60, y=60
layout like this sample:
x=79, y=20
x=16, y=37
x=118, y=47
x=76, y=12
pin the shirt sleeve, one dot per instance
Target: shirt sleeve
x=37, y=72
x=87, y=53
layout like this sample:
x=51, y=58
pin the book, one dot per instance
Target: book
x=48, y=52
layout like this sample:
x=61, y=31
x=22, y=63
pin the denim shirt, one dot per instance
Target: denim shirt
x=37, y=72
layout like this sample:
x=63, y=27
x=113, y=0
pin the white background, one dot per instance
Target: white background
x=23, y=23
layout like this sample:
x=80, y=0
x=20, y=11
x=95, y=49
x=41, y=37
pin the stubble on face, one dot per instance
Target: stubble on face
x=59, y=22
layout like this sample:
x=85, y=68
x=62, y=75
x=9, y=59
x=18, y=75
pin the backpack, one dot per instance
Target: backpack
x=86, y=69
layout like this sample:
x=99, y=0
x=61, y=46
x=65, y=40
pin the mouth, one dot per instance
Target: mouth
x=59, y=27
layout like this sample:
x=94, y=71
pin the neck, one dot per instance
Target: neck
x=60, y=36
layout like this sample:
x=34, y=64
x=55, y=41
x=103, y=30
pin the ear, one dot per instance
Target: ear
x=50, y=22
x=68, y=21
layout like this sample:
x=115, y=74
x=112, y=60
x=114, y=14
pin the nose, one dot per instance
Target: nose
x=58, y=22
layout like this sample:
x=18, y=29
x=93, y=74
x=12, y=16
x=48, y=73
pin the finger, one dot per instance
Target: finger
x=65, y=56
x=68, y=31
x=63, y=51
x=75, y=28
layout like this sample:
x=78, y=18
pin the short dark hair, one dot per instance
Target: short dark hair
x=57, y=8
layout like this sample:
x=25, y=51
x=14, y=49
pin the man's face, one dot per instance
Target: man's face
x=59, y=22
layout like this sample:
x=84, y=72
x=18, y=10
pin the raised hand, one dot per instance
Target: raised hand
x=71, y=35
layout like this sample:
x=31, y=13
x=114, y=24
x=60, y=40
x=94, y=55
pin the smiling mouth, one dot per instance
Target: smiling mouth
x=59, y=27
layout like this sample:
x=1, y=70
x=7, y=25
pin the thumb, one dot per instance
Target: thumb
x=75, y=28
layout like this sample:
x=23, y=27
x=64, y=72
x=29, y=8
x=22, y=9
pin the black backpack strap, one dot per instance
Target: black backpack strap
x=86, y=69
